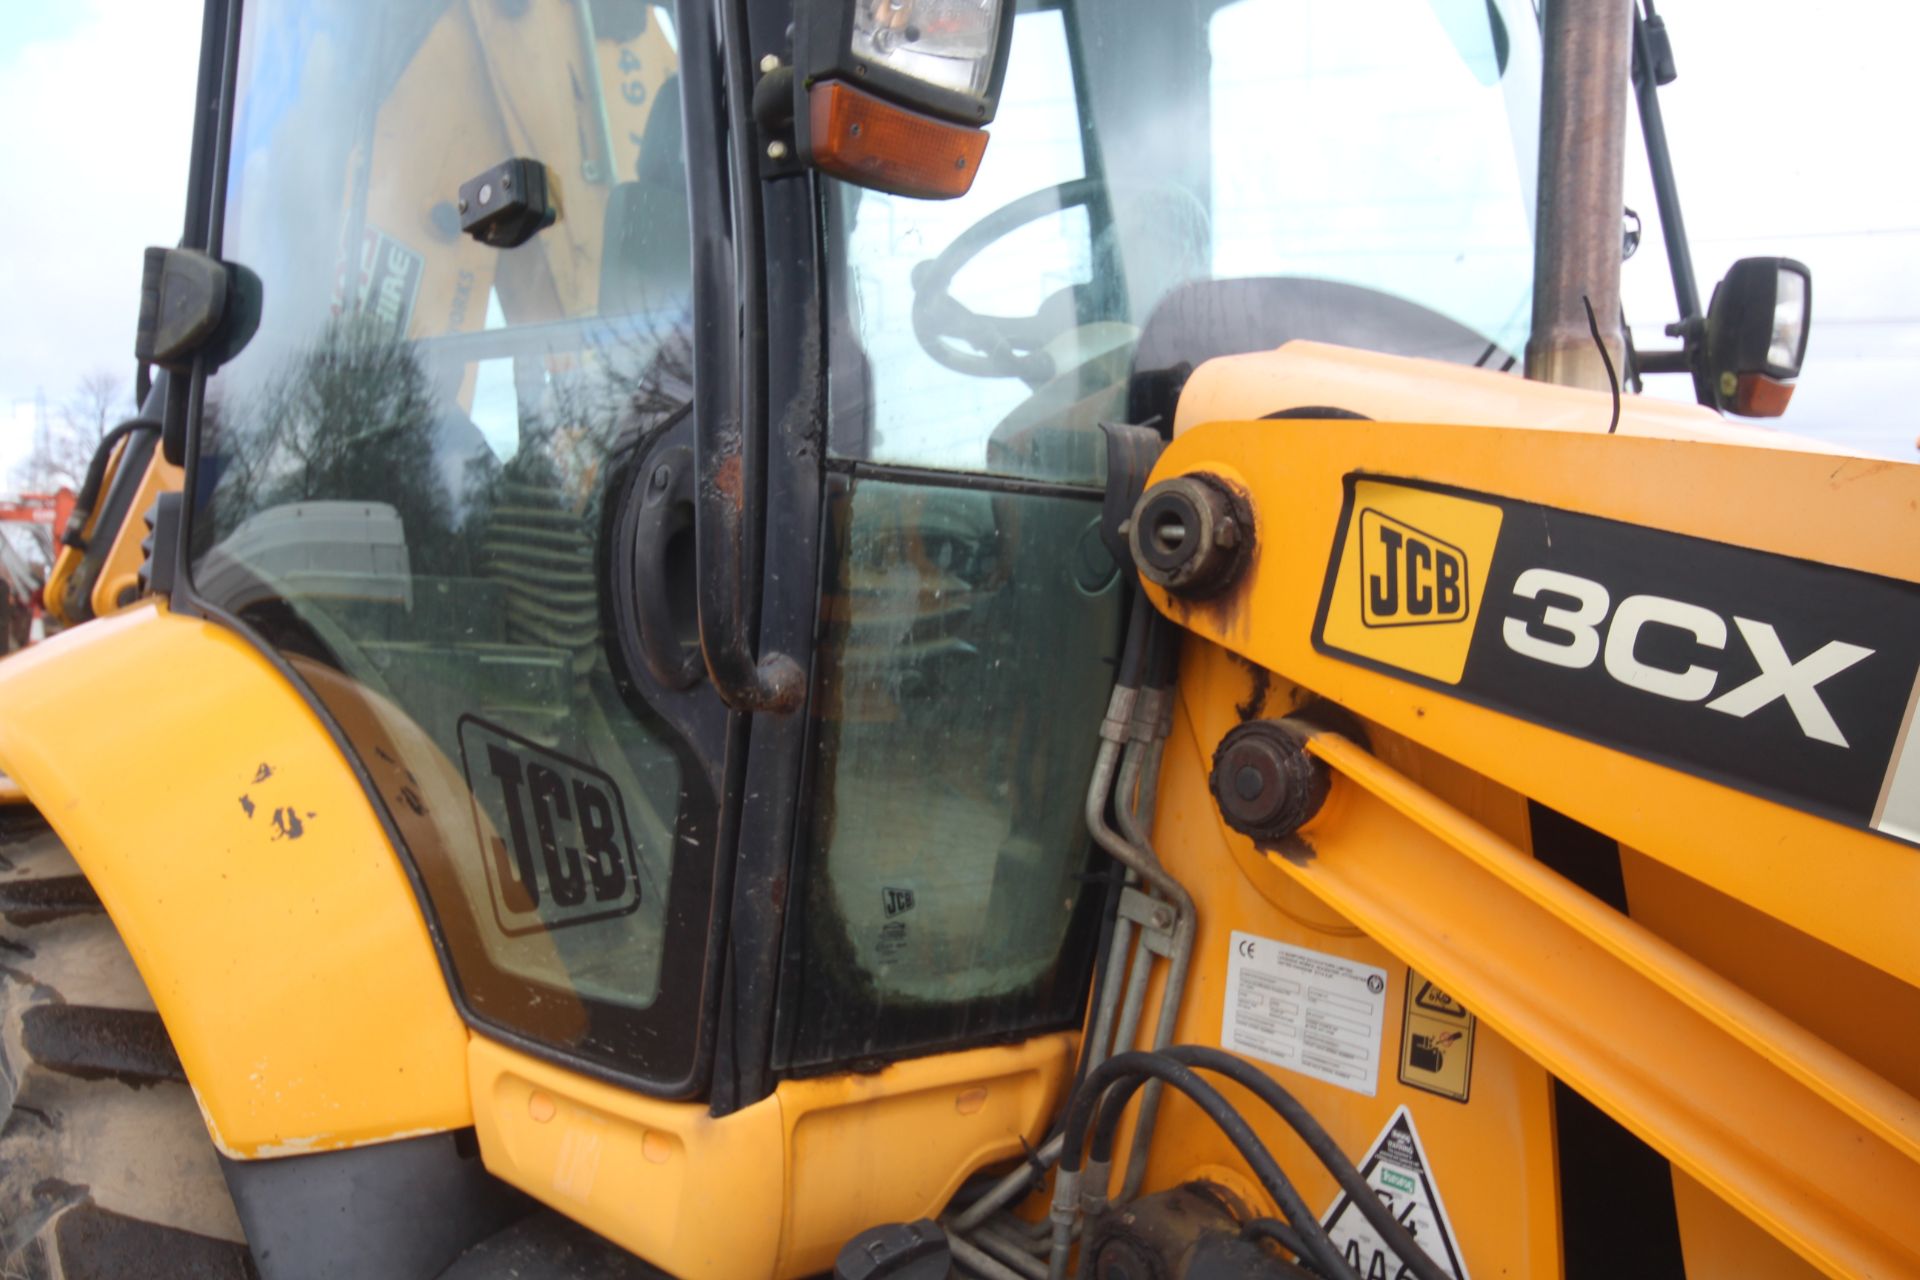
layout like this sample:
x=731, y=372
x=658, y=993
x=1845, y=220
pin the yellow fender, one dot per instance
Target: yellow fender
x=294, y=972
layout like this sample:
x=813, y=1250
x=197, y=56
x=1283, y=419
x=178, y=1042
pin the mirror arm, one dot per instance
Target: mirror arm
x=1649, y=37
x=1665, y=361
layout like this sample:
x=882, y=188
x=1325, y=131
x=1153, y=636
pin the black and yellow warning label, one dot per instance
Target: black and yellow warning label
x=1436, y=1041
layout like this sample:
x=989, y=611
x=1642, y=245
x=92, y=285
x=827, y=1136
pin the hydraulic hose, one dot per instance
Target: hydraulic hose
x=1320, y=1143
x=1135, y=1068
x=96, y=479
x=1275, y=1230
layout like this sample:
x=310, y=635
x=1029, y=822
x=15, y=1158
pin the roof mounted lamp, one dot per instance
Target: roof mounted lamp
x=895, y=94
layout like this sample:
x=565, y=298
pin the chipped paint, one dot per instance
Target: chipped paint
x=310, y=1145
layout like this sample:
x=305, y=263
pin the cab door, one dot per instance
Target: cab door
x=446, y=485
x=968, y=618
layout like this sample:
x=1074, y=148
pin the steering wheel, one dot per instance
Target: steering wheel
x=1002, y=346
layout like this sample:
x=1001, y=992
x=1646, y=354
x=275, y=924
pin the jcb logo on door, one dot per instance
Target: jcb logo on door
x=1413, y=578
x=1409, y=575
x=553, y=832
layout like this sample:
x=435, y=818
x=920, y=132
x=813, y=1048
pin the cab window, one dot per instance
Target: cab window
x=405, y=484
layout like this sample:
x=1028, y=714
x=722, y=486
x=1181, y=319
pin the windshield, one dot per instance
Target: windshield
x=1172, y=180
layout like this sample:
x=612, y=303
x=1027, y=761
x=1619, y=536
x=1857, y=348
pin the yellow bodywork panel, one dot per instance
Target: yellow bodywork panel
x=1491, y=1154
x=777, y=1188
x=239, y=859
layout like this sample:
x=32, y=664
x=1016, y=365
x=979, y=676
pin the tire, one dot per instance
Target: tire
x=106, y=1168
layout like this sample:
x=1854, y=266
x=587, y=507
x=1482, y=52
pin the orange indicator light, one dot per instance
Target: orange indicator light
x=870, y=141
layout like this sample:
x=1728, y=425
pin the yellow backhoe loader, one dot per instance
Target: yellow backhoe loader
x=923, y=638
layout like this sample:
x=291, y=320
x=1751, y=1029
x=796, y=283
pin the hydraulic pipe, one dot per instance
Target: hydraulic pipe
x=1578, y=235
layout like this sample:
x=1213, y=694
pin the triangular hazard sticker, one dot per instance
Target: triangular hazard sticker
x=1397, y=1169
x=1432, y=997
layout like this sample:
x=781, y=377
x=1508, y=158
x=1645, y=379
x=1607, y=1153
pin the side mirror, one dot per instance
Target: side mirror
x=1757, y=335
x=895, y=94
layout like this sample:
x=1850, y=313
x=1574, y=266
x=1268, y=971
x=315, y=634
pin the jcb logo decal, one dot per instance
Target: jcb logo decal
x=1413, y=579
x=554, y=833
x=1409, y=575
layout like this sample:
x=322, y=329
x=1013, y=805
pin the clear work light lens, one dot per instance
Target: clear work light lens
x=948, y=43
x=1789, y=320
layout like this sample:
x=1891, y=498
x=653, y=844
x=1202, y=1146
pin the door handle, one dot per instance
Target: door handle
x=665, y=512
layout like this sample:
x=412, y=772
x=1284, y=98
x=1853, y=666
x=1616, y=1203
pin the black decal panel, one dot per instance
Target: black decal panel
x=558, y=850
x=1781, y=677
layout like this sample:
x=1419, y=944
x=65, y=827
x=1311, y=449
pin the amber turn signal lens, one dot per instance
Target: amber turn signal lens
x=871, y=142
x=1755, y=395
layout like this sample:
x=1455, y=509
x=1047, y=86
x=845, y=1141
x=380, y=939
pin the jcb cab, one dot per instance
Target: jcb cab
x=676, y=715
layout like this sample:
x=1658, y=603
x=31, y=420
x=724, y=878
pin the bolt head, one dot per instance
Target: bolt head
x=776, y=150
x=770, y=64
x=1189, y=536
x=1266, y=783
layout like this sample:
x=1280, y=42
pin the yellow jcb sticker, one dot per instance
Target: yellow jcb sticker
x=1436, y=1041
x=1413, y=564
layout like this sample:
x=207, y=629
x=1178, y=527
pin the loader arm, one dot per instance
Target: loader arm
x=1800, y=1114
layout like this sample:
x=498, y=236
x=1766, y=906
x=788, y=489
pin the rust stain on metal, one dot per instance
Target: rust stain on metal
x=1261, y=682
x=1295, y=848
x=726, y=480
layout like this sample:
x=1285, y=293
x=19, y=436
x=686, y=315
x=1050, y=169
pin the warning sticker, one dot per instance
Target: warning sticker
x=1305, y=1010
x=1436, y=1041
x=1397, y=1169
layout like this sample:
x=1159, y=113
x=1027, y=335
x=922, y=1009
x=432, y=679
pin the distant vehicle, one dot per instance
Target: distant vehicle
x=27, y=556
x=23, y=571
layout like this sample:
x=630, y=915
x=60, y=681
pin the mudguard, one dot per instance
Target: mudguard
x=232, y=845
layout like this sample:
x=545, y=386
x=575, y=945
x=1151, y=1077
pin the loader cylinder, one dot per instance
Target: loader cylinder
x=1579, y=228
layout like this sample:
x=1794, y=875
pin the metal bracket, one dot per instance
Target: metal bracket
x=1155, y=918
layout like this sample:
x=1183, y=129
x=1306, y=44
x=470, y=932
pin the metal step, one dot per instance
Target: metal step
x=99, y=1244
x=94, y=1043
x=53, y=898
x=20, y=822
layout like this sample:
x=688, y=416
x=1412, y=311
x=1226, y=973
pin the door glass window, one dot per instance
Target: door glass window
x=1173, y=180
x=405, y=482
x=963, y=669
x=925, y=412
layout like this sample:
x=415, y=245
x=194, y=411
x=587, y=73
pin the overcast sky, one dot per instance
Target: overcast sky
x=1789, y=126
